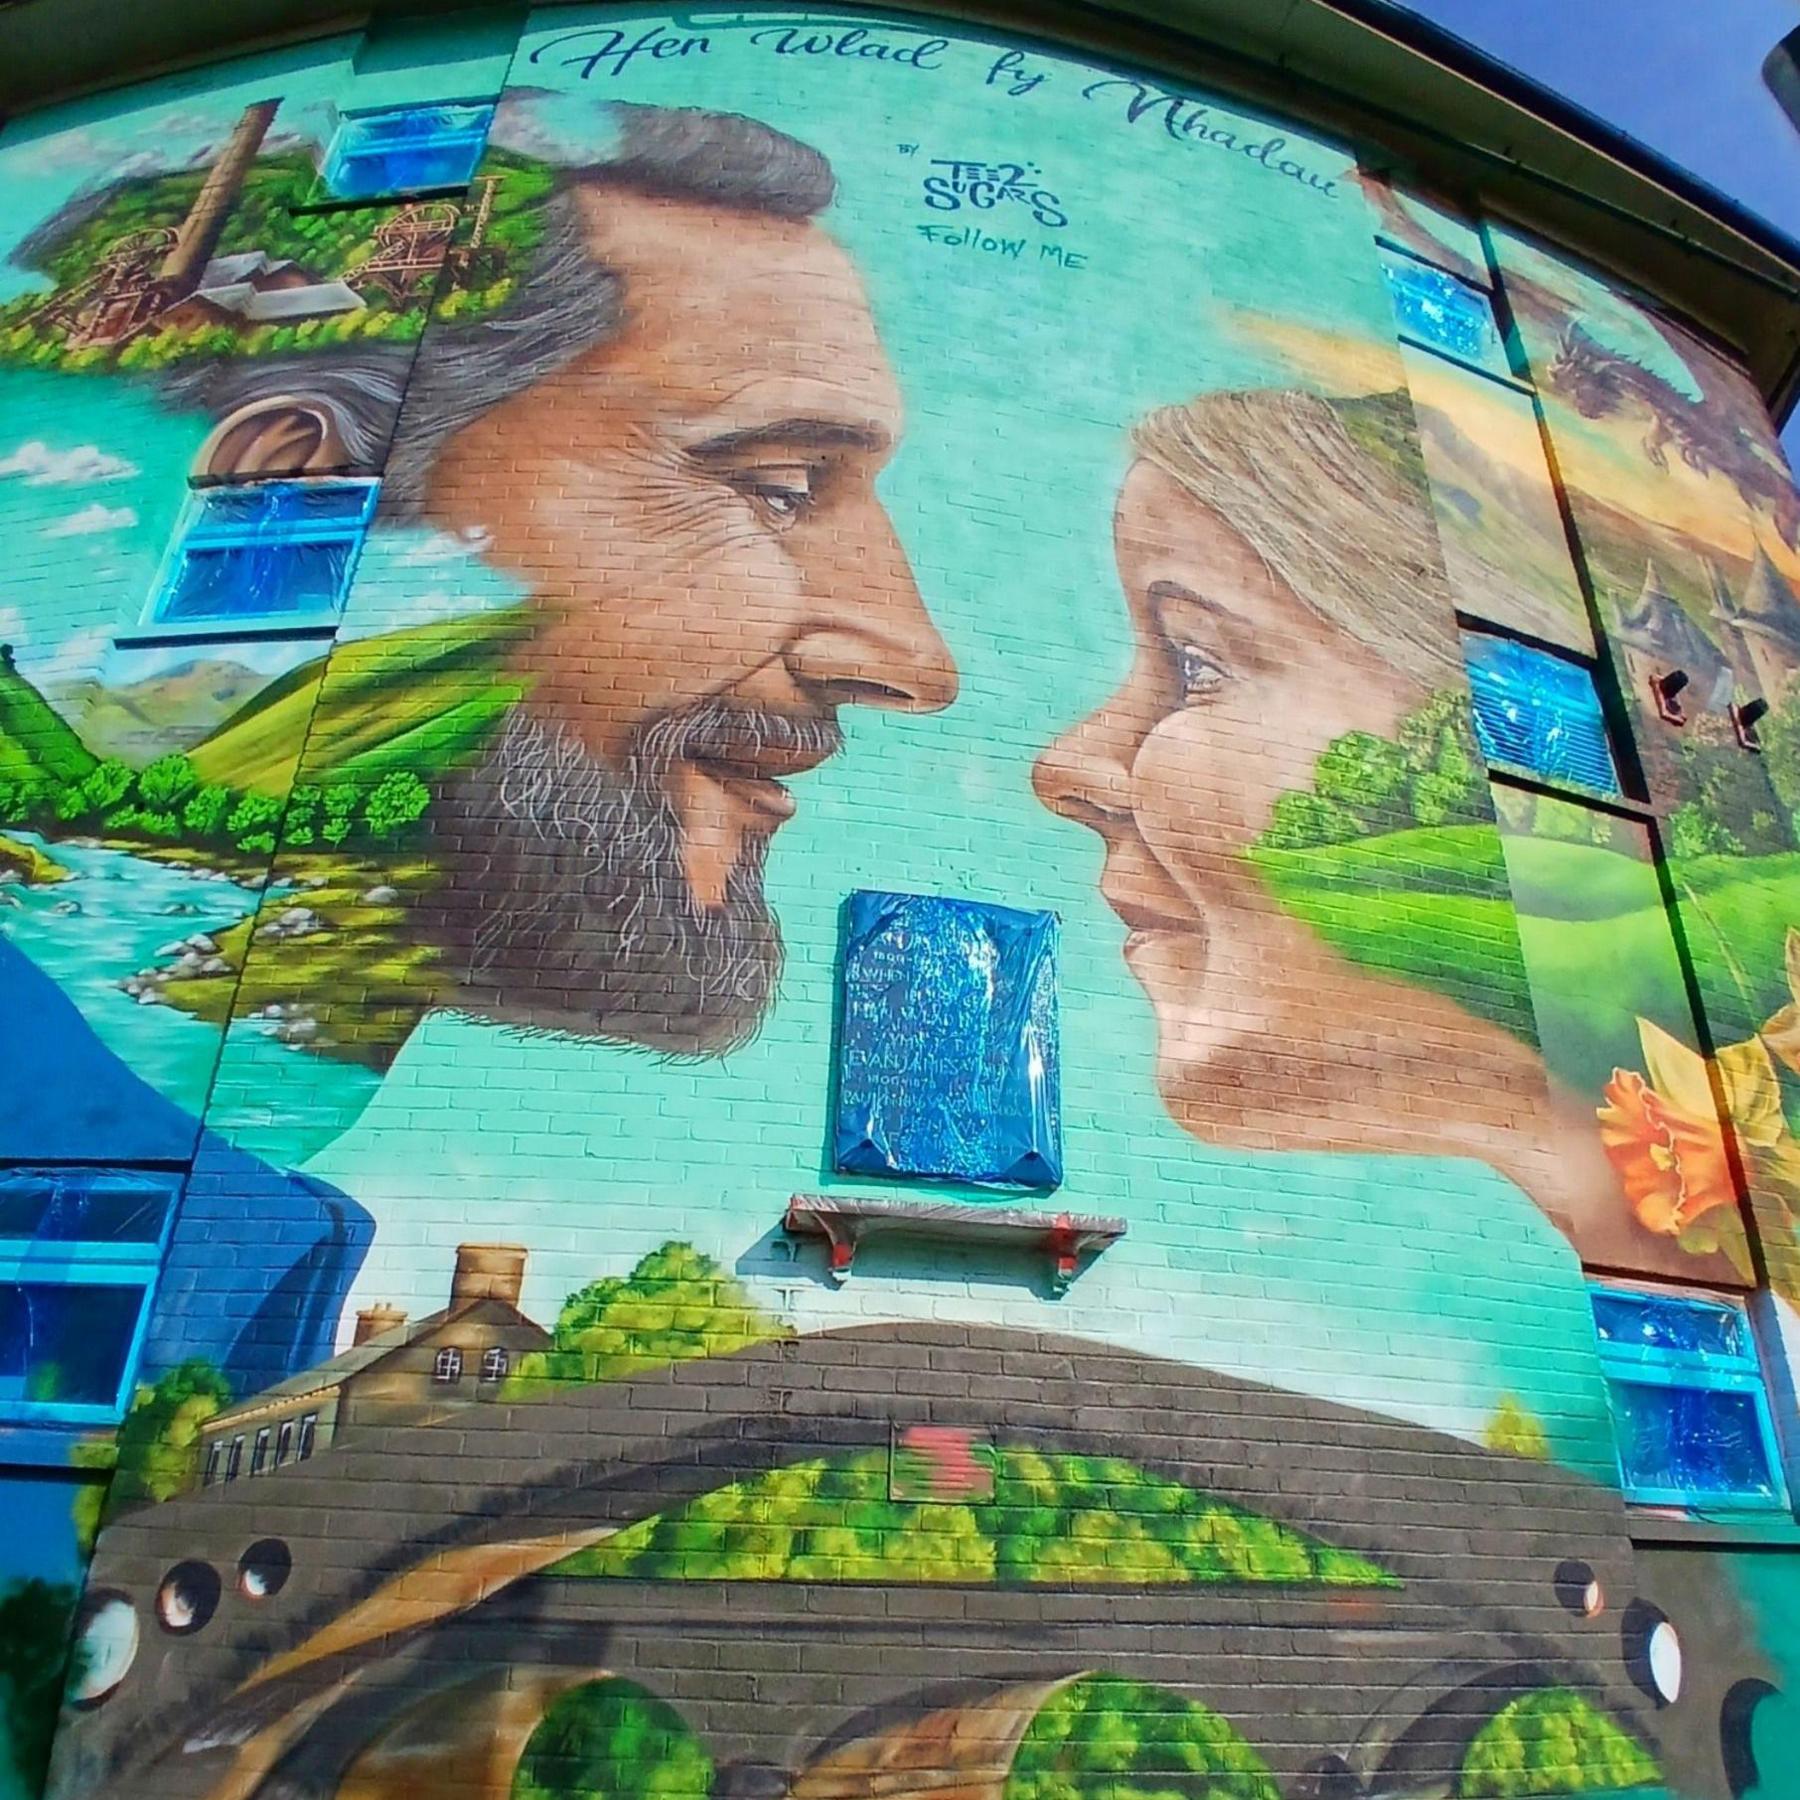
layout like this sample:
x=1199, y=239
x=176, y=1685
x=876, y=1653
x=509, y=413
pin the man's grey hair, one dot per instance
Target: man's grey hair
x=565, y=302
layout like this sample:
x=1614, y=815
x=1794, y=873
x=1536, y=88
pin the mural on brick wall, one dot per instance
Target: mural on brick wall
x=785, y=492
x=534, y=806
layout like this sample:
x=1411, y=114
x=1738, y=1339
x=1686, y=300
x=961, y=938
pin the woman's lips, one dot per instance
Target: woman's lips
x=1149, y=926
x=1147, y=921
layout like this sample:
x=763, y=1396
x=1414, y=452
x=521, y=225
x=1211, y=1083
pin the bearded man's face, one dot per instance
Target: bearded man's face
x=692, y=505
x=576, y=915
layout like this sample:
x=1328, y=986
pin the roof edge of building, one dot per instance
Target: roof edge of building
x=1368, y=71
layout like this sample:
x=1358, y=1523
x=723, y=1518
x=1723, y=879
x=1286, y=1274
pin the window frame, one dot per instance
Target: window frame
x=496, y=1363
x=190, y=533
x=89, y=1263
x=1718, y=1372
x=447, y=1366
x=306, y=1439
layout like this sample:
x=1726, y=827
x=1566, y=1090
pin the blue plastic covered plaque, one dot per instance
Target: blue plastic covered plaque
x=947, y=1054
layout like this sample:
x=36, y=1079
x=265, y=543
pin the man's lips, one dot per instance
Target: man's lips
x=754, y=777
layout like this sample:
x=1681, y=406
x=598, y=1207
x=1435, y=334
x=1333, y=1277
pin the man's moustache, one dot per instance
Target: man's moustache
x=724, y=731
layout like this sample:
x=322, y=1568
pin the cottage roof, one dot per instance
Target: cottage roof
x=223, y=271
x=360, y=1358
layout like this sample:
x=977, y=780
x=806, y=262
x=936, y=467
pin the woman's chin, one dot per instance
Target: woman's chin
x=1170, y=966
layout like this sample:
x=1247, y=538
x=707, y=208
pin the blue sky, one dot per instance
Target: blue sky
x=1682, y=76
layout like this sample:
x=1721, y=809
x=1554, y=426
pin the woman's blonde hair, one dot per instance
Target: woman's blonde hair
x=1352, y=538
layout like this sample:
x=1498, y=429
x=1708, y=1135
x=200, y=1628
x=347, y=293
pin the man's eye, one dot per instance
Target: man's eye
x=780, y=495
x=1203, y=676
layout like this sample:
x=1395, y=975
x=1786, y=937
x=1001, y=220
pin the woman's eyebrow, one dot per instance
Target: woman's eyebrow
x=1163, y=593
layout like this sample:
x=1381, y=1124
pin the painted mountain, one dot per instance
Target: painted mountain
x=141, y=720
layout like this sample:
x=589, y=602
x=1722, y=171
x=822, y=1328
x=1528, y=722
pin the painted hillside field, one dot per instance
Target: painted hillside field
x=382, y=721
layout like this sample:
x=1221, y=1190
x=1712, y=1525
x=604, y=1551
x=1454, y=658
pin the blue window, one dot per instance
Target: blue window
x=79, y=1252
x=405, y=150
x=1444, y=314
x=1539, y=713
x=264, y=553
x=1690, y=1408
x=947, y=1053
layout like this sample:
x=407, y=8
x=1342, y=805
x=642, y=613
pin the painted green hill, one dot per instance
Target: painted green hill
x=420, y=699
x=36, y=743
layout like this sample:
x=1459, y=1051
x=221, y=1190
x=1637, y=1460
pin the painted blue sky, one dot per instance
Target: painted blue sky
x=1682, y=78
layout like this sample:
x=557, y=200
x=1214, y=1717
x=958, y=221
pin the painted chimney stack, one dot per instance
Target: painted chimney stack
x=489, y=1272
x=372, y=1321
x=197, y=237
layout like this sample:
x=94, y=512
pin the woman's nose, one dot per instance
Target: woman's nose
x=1086, y=774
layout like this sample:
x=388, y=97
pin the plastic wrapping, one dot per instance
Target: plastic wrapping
x=267, y=550
x=1687, y=1397
x=94, y=1206
x=406, y=150
x=1540, y=713
x=1449, y=315
x=1681, y=1444
x=63, y=1345
x=947, y=1047
x=1672, y=1324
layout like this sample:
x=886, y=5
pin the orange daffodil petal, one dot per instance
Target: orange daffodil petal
x=1663, y=1136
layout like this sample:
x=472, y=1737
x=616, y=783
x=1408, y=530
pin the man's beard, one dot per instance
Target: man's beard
x=562, y=903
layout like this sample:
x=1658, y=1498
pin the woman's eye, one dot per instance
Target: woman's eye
x=1203, y=676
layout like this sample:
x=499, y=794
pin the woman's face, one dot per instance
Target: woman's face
x=1236, y=687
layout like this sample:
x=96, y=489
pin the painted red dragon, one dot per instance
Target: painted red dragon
x=1708, y=435
x=1721, y=433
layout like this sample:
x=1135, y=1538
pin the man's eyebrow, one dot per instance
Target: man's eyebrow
x=803, y=434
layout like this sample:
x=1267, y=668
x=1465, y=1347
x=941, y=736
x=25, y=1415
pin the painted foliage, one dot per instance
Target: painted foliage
x=50, y=1527
x=785, y=491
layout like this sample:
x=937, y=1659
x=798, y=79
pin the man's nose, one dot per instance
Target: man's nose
x=1085, y=775
x=870, y=640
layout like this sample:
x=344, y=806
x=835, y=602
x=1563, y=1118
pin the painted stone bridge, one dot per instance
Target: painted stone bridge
x=395, y=1616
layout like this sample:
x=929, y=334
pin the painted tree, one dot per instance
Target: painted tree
x=167, y=783
x=398, y=800
x=1106, y=1738
x=35, y=1620
x=251, y=824
x=1553, y=1742
x=612, y=1740
x=675, y=1305
x=159, y=1442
